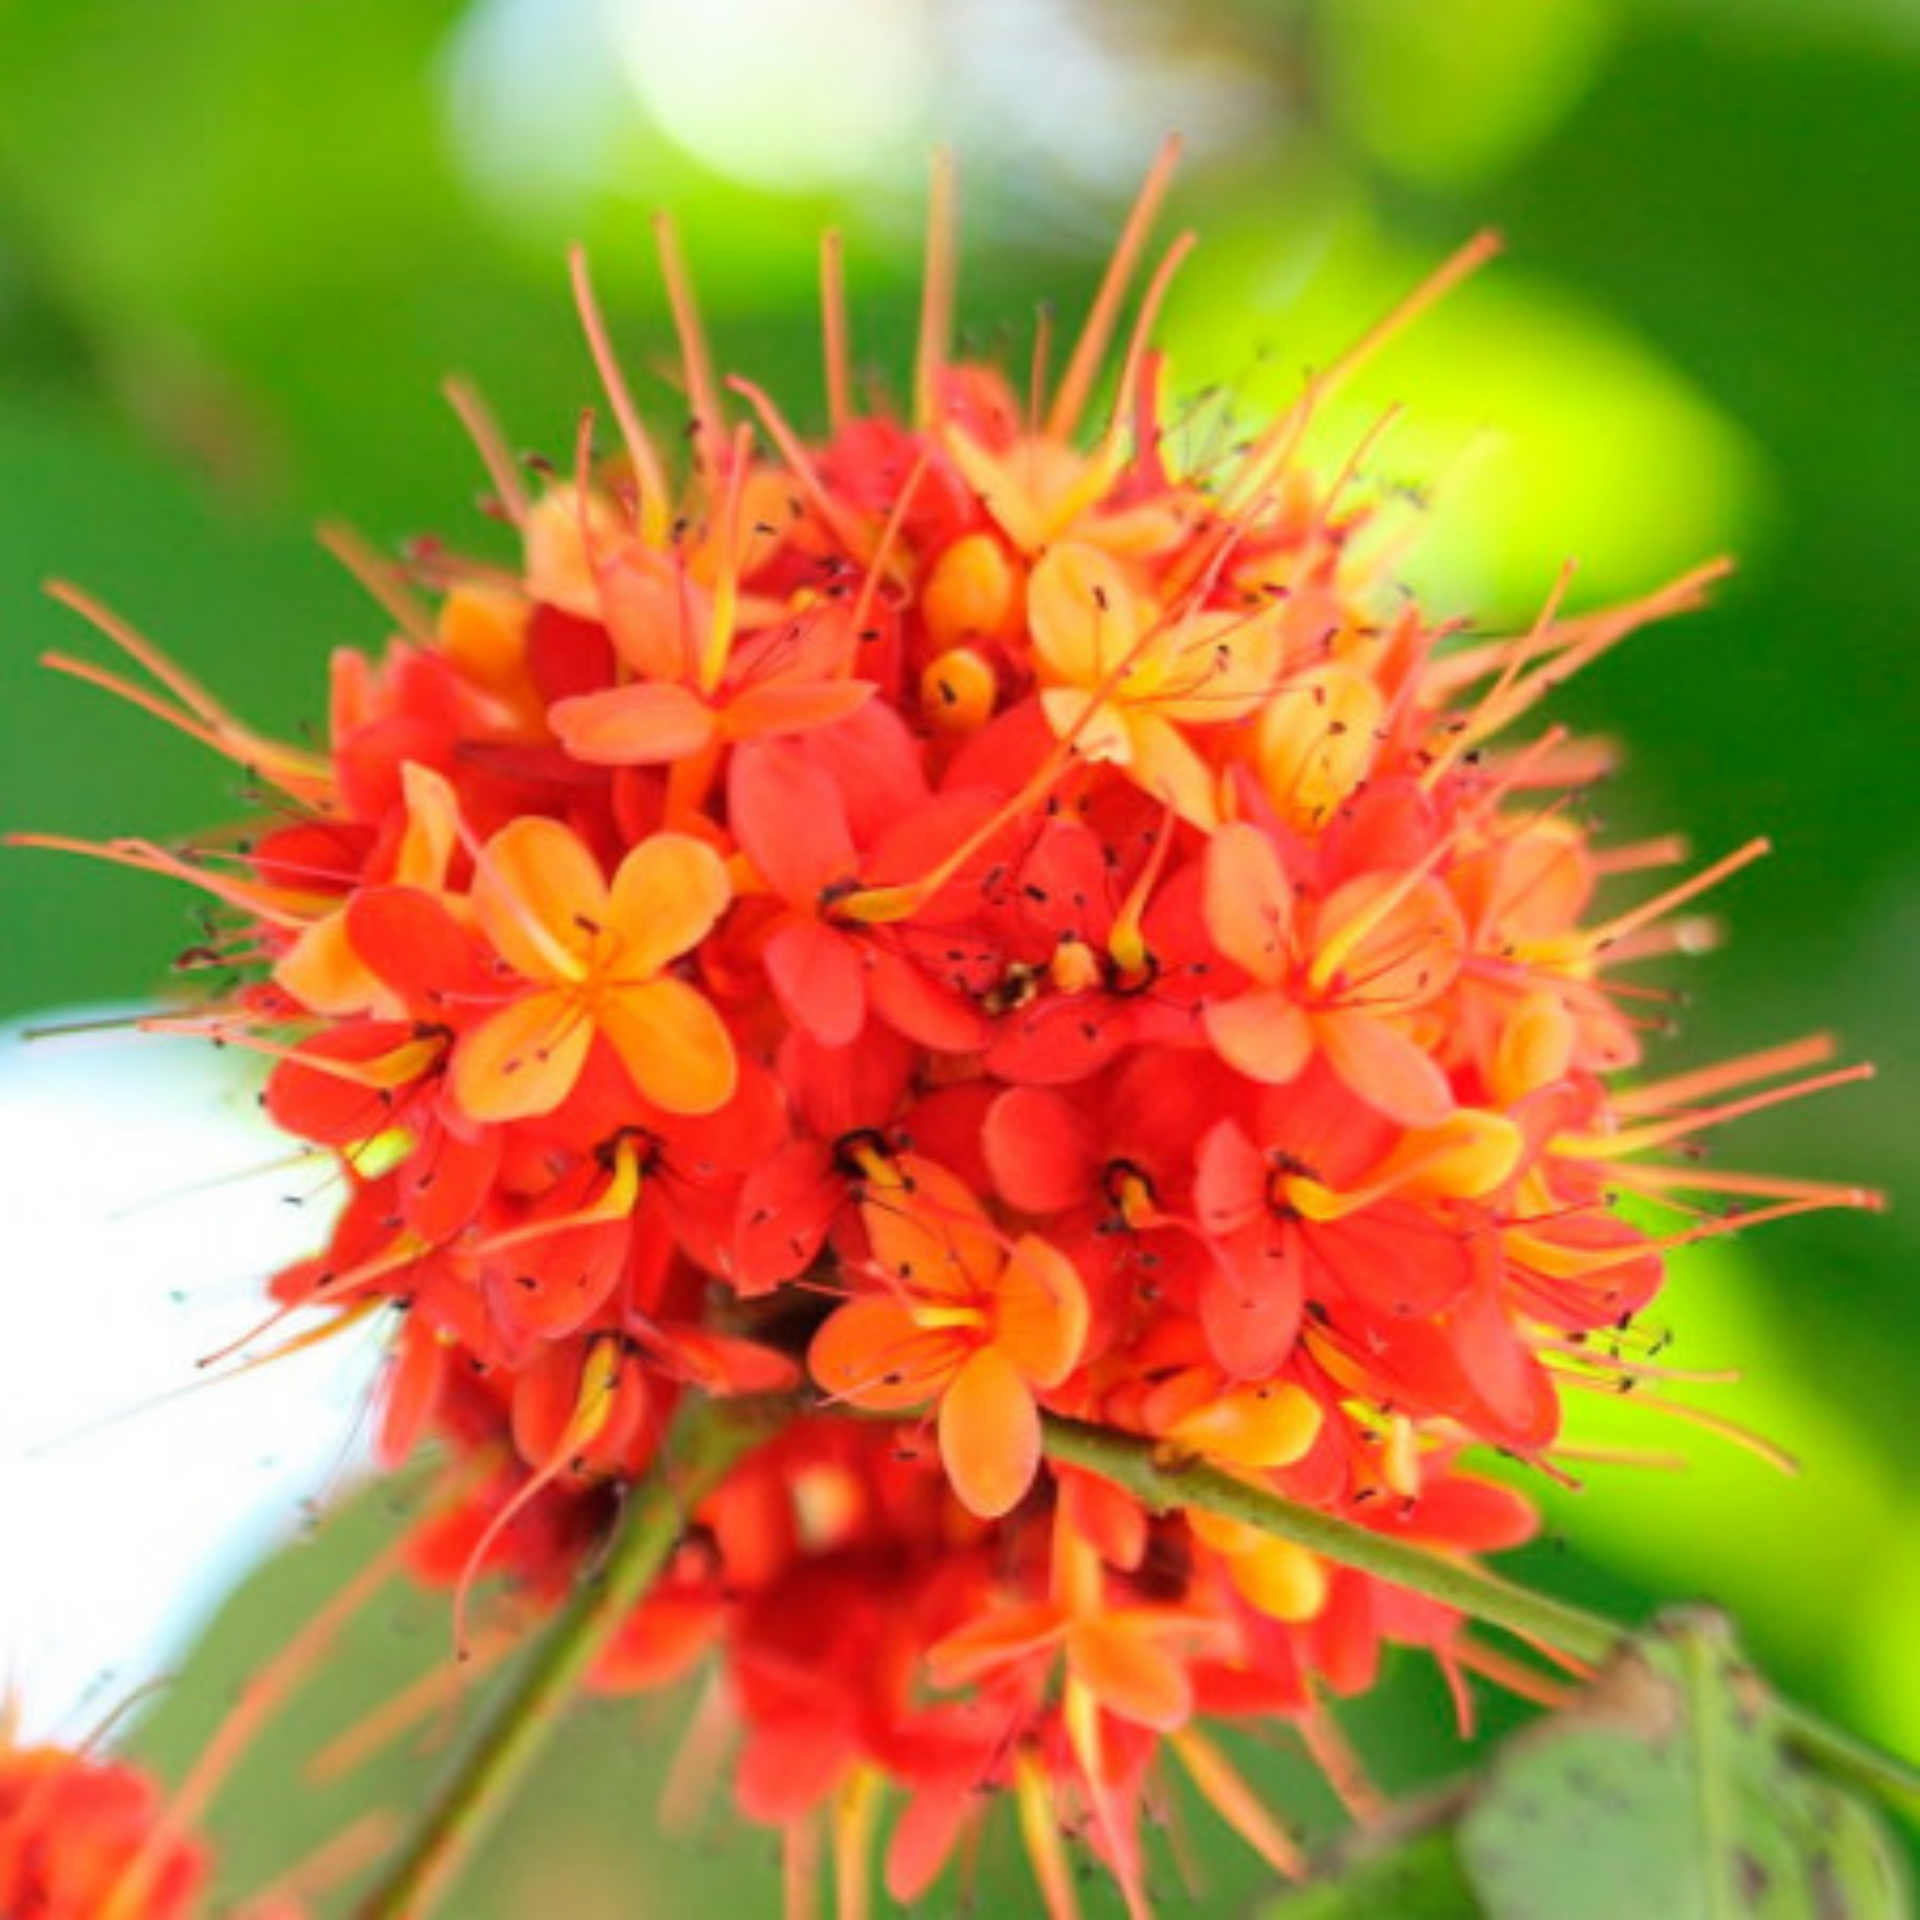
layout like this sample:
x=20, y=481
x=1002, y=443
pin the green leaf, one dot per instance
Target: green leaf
x=1667, y=1788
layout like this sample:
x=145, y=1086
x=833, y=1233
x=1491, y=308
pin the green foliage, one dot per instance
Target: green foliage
x=1669, y=1787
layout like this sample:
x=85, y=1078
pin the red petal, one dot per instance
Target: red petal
x=647, y=723
x=786, y=814
x=786, y=1208
x=1040, y=1149
x=417, y=948
x=1395, y=1258
x=784, y=707
x=816, y=972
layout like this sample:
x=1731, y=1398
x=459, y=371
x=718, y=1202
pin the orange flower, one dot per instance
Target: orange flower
x=1338, y=981
x=964, y=1321
x=1123, y=676
x=597, y=956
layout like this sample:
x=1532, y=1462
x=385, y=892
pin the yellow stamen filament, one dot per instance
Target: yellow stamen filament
x=709, y=423
x=600, y=1379
x=273, y=905
x=1477, y=724
x=1039, y=1828
x=855, y=1816
x=1613, y=1146
x=383, y=580
x=1660, y=1096
x=726, y=586
x=848, y=531
x=1729, y=1430
x=936, y=299
x=484, y=431
x=306, y=776
x=265, y=1691
x=1237, y=1804
x=649, y=477
x=833, y=329
x=1090, y=349
x=800, y=1870
x=1267, y=458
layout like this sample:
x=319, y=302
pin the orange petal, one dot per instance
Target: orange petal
x=1004, y=1637
x=645, y=724
x=1252, y=1426
x=1130, y=1674
x=325, y=973
x=1164, y=762
x=1097, y=726
x=536, y=888
x=930, y=1232
x=784, y=707
x=522, y=1060
x=1224, y=666
x=1262, y=1034
x=1391, y=1073
x=1040, y=1311
x=1248, y=906
x=1282, y=1580
x=1082, y=612
x=869, y=1353
x=676, y=1047
x=666, y=896
x=989, y=1435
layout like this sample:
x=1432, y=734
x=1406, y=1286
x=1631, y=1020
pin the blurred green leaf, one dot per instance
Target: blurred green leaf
x=1454, y=92
x=1666, y=1788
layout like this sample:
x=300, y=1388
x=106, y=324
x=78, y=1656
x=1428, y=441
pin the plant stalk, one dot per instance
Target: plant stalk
x=1163, y=1481
x=704, y=1447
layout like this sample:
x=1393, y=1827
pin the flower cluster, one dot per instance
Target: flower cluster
x=965, y=920
x=82, y=1838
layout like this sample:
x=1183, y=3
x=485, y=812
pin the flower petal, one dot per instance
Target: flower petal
x=930, y=1233
x=673, y=1043
x=1040, y=1311
x=1083, y=613
x=989, y=1435
x=647, y=723
x=869, y=1353
x=1262, y=1034
x=522, y=1060
x=1041, y=1149
x=536, y=889
x=666, y=896
x=787, y=815
x=815, y=970
x=1130, y=1674
x=1390, y=1072
x=1247, y=904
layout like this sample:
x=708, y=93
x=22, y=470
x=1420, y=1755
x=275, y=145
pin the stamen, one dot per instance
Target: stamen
x=833, y=330
x=484, y=431
x=600, y=1380
x=1095, y=336
x=1610, y=932
x=709, y=423
x=1659, y=1096
x=936, y=299
x=1236, y=1803
x=1729, y=1430
x=726, y=585
x=649, y=478
x=1267, y=457
x=382, y=579
x=847, y=530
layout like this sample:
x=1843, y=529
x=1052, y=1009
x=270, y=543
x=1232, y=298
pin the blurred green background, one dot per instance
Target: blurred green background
x=241, y=246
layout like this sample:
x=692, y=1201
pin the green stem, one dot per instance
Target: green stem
x=704, y=1447
x=1162, y=1481
x=1859, y=1762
